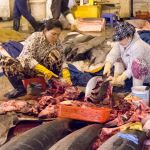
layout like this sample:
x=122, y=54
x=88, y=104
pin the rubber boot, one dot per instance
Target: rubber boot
x=19, y=89
x=16, y=24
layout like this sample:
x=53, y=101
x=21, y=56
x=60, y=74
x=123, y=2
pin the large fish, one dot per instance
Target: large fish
x=70, y=43
x=127, y=140
x=41, y=137
x=78, y=140
x=85, y=47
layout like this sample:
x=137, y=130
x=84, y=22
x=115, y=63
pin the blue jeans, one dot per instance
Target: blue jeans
x=21, y=9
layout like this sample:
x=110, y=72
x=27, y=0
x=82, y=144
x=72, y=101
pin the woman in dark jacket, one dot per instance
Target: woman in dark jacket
x=61, y=6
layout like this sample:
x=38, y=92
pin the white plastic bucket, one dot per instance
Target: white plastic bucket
x=38, y=9
x=141, y=92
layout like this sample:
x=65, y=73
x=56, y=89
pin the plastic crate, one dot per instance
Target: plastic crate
x=40, y=80
x=91, y=25
x=142, y=14
x=91, y=114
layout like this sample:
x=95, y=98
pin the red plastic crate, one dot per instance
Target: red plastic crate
x=142, y=14
x=40, y=80
x=91, y=114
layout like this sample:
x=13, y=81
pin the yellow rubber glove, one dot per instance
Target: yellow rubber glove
x=119, y=80
x=136, y=126
x=107, y=68
x=47, y=73
x=95, y=70
x=66, y=75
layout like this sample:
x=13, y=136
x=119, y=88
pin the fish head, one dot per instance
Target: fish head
x=97, y=89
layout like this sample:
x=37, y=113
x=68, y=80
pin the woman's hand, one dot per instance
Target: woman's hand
x=107, y=69
x=66, y=75
x=47, y=73
x=119, y=80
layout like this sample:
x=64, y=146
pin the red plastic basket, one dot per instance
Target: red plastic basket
x=142, y=14
x=40, y=80
x=91, y=114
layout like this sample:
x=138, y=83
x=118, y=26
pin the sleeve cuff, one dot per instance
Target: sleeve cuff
x=33, y=63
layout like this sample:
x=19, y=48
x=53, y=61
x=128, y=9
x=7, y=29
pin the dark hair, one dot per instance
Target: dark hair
x=50, y=24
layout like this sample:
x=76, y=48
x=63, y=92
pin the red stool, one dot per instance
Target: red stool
x=40, y=80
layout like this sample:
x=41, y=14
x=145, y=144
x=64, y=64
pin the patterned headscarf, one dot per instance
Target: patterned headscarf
x=139, y=69
x=123, y=30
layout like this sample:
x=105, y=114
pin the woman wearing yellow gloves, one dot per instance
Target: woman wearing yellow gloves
x=133, y=54
x=41, y=54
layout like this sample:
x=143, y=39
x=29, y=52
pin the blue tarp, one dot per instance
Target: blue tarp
x=13, y=48
x=145, y=35
x=81, y=78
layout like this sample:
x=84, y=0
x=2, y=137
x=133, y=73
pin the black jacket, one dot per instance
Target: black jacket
x=58, y=7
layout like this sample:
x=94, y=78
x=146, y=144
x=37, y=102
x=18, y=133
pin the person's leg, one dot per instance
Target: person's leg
x=14, y=72
x=140, y=71
x=128, y=85
x=19, y=89
x=64, y=7
x=23, y=8
x=118, y=68
x=16, y=16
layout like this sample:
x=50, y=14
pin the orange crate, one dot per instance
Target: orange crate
x=92, y=114
x=40, y=80
x=142, y=14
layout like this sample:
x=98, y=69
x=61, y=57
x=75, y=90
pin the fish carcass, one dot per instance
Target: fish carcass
x=98, y=91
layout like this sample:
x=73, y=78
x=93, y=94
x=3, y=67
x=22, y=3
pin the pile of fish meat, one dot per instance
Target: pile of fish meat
x=47, y=105
x=27, y=107
x=122, y=113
